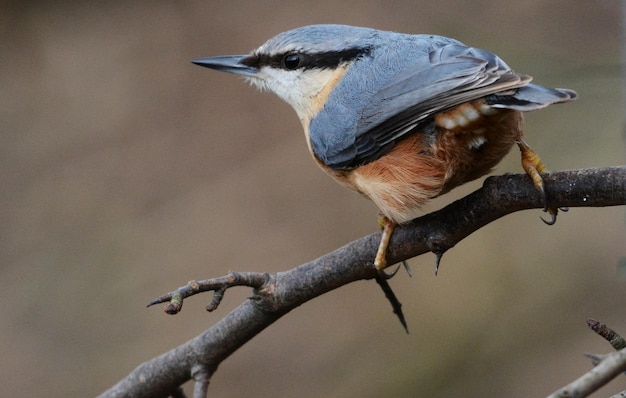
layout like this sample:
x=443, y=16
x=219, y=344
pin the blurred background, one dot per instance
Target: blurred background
x=126, y=171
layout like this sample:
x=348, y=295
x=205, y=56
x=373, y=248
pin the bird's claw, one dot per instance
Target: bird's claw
x=552, y=220
x=407, y=268
x=387, y=276
x=383, y=274
x=552, y=212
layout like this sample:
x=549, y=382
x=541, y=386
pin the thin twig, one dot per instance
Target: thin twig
x=610, y=367
x=396, y=306
x=607, y=333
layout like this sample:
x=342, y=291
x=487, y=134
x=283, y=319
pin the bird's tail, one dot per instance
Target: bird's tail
x=530, y=97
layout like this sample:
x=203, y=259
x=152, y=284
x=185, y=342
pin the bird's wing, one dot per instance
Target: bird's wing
x=447, y=76
x=455, y=74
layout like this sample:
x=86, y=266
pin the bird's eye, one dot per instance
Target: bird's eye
x=291, y=61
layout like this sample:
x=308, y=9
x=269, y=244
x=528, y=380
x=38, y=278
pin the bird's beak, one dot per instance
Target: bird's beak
x=228, y=63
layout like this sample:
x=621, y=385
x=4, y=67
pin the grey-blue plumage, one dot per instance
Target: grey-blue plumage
x=398, y=82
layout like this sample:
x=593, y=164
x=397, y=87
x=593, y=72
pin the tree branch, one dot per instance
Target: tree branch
x=277, y=294
x=606, y=367
x=611, y=366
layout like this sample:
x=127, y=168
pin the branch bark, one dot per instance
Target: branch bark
x=281, y=292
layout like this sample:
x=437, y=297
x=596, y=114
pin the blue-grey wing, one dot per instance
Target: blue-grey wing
x=449, y=76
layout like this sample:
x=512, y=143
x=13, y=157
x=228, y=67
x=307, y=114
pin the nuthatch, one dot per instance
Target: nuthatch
x=398, y=118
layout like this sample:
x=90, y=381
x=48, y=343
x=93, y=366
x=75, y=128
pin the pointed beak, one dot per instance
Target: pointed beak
x=228, y=63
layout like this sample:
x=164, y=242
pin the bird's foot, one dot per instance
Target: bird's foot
x=532, y=164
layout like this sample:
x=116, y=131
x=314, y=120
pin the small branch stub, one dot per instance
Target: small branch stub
x=219, y=286
x=607, y=333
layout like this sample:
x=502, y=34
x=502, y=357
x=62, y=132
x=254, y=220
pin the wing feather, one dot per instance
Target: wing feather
x=455, y=74
x=439, y=79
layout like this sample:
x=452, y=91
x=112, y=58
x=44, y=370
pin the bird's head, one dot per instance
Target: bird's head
x=300, y=66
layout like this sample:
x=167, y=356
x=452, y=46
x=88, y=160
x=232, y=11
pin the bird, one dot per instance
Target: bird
x=399, y=118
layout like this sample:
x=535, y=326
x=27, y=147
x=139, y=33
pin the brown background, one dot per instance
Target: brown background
x=126, y=171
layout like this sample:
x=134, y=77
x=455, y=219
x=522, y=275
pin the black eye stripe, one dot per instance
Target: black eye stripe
x=325, y=60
